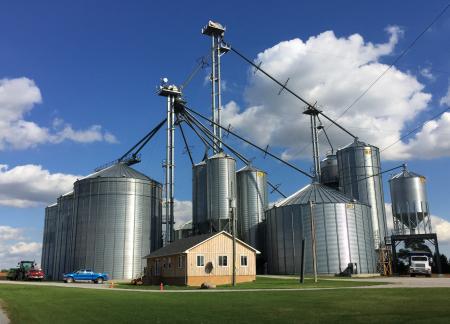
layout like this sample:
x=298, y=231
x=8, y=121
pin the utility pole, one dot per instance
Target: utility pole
x=172, y=93
x=233, y=230
x=302, y=269
x=313, y=242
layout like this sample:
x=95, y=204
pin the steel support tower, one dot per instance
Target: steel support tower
x=172, y=93
x=313, y=115
x=216, y=31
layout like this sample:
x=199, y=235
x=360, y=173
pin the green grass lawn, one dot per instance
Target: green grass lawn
x=267, y=283
x=39, y=304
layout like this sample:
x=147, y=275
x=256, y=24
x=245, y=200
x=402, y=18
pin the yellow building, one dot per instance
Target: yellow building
x=201, y=259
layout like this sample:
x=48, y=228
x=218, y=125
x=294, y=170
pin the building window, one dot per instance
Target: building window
x=243, y=260
x=157, y=268
x=223, y=261
x=180, y=261
x=200, y=260
x=169, y=262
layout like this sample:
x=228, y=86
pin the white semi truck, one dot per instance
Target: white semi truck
x=420, y=264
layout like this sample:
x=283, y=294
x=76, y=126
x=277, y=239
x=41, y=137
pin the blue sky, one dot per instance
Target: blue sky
x=86, y=74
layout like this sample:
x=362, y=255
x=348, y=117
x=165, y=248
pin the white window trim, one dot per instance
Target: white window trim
x=218, y=261
x=196, y=260
x=246, y=256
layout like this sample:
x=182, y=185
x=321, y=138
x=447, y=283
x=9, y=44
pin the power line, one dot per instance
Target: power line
x=265, y=151
x=402, y=54
x=415, y=129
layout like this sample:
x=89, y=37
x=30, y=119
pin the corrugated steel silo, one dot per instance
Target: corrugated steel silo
x=410, y=208
x=64, y=237
x=329, y=174
x=199, y=199
x=48, y=242
x=358, y=163
x=221, y=184
x=118, y=221
x=184, y=231
x=252, y=201
x=343, y=231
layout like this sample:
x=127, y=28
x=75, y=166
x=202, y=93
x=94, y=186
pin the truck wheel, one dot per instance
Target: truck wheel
x=69, y=280
x=99, y=280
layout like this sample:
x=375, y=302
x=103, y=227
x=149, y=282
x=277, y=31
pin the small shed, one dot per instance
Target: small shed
x=202, y=258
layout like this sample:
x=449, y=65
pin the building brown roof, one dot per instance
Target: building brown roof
x=181, y=246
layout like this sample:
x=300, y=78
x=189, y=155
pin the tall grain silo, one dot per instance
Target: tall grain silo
x=221, y=184
x=410, y=209
x=343, y=232
x=48, y=242
x=118, y=221
x=199, y=199
x=252, y=201
x=64, y=232
x=359, y=177
x=329, y=172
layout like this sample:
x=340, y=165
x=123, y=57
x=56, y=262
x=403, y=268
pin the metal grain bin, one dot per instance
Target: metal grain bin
x=63, y=259
x=358, y=163
x=343, y=231
x=252, y=202
x=118, y=221
x=329, y=174
x=199, y=199
x=410, y=208
x=221, y=184
x=184, y=231
x=48, y=242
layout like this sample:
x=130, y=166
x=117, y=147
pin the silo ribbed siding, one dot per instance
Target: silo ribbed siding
x=410, y=206
x=251, y=204
x=221, y=187
x=62, y=262
x=199, y=198
x=358, y=163
x=343, y=233
x=118, y=221
x=48, y=242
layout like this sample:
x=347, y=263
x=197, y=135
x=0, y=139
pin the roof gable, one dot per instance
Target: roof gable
x=186, y=244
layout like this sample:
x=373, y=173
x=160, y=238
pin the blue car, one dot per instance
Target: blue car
x=85, y=275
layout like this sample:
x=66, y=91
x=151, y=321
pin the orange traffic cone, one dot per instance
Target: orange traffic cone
x=161, y=286
x=111, y=284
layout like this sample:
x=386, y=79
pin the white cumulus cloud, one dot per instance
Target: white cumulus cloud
x=182, y=210
x=17, y=98
x=14, y=247
x=442, y=228
x=427, y=74
x=439, y=225
x=445, y=100
x=334, y=71
x=10, y=233
x=31, y=185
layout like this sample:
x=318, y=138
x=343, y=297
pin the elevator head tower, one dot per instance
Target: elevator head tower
x=173, y=94
x=216, y=31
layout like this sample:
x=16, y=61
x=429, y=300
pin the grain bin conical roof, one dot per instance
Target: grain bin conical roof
x=317, y=193
x=119, y=170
